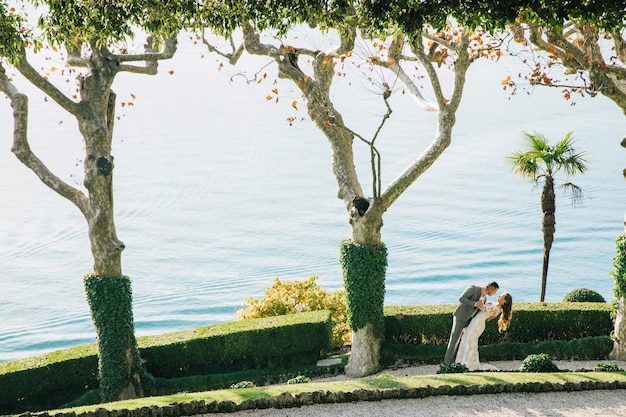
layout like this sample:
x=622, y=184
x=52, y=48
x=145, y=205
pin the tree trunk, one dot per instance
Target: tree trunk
x=364, y=266
x=548, y=206
x=364, y=353
x=120, y=373
x=619, y=333
x=364, y=278
x=108, y=292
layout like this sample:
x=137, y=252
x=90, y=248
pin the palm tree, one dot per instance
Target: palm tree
x=541, y=161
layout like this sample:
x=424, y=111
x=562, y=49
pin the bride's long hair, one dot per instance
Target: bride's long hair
x=505, y=317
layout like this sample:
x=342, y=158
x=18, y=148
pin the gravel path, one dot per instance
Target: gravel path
x=609, y=403
x=562, y=404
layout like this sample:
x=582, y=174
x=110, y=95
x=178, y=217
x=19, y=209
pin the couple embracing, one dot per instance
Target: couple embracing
x=468, y=323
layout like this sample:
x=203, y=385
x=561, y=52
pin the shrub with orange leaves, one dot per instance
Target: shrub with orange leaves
x=291, y=297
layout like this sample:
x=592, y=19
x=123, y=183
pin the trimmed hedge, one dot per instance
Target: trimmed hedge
x=419, y=334
x=266, y=343
x=584, y=295
x=52, y=379
x=415, y=334
x=531, y=323
x=587, y=348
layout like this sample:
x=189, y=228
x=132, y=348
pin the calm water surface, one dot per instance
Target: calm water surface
x=216, y=195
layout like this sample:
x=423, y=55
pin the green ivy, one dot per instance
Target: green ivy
x=364, y=268
x=110, y=301
x=619, y=267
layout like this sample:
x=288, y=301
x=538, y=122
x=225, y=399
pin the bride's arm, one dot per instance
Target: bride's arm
x=493, y=309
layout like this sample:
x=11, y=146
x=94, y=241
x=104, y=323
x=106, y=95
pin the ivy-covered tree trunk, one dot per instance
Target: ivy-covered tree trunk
x=108, y=292
x=121, y=375
x=364, y=257
x=548, y=227
x=619, y=290
x=364, y=265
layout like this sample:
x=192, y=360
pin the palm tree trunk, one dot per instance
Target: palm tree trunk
x=548, y=227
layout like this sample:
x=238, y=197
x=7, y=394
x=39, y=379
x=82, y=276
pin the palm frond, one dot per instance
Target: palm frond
x=575, y=192
x=539, y=158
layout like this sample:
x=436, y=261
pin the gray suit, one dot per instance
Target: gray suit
x=461, y=317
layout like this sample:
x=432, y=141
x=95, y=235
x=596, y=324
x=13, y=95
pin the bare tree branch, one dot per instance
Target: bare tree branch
x=445, y=119
x=151, y=57
x=395, y=57
x=24, y=67
x=232, y=57
x=22, y=149
x=417, y=48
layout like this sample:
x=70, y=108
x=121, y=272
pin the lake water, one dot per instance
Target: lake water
x=216, y=194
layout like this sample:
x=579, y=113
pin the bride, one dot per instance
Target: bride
x=468, y=347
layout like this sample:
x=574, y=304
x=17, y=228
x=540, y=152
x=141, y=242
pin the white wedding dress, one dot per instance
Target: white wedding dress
x=468, y=347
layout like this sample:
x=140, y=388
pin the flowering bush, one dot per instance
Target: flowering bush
x=291, y=297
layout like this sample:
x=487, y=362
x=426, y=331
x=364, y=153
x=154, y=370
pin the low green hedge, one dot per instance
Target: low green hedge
x=419, y=334
x=587, y=348
x=531, y=323
x=52, y=379
x=45, y=381
x=267, y=343
x=412, y=333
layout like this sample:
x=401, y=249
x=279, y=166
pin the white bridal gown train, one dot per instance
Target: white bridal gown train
x=468, y=347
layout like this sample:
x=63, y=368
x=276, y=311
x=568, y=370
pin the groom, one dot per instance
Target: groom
x=469, y=304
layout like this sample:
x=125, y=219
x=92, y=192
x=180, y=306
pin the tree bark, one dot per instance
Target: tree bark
x=365, y=213
x=619, y=330
x=548, y=206
x=121, y=374
x=619, y=333
x=364, y=353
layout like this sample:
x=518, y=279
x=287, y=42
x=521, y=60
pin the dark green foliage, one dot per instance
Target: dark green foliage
x=266, y=343
x=607, y=367
x=45, y=382
x=452, y=368
x=531, y=323
x=541, y=362
x=259, y=377
x=227, y=15
x=619, y=267
x=423, y=324
x=13, y=32
x=536, y=322
x=273, y=349
x=583, y=295
x=411, y=16
x=587, y=348
x=364, y=269
x=115, y=20
x=419, y=334
x=110, y=301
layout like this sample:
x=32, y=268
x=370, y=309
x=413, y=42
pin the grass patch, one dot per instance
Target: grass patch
x=381, y=382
